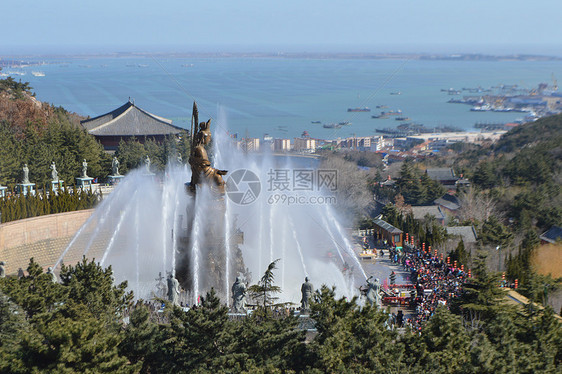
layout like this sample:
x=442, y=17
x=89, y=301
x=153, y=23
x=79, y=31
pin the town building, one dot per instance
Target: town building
x=552, y=235
x=282, y=145
x=385, y=231
x=445, y=176
x=419, y=213
x=449, y=204
x=250, y=144
x=128, y=122
x=304, y=144
x=377, y=144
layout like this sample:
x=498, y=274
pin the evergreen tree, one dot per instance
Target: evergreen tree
x=353, y=339
x=264, y=290
x=480, y=299
x=442, y=346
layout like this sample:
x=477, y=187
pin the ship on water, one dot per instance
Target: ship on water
x=363, y=109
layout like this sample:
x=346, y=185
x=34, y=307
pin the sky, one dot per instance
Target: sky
x=416, y=26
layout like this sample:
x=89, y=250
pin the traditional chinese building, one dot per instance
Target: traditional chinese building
x=126, y=122
x=384, y=230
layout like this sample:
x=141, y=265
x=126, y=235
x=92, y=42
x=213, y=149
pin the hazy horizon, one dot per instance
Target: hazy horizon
x=492, y=50
x=352, y=26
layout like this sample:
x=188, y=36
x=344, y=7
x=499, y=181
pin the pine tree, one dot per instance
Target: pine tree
x=352, y=339
x=480, y=300
x=264, y=290
x=442, y=345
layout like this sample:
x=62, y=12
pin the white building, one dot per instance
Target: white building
x=304, y=144
x=282, y=145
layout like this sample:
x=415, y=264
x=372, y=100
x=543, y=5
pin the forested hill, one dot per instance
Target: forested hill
x=546, y=133
x=36, y=133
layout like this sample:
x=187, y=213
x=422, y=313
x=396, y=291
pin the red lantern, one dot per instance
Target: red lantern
x=516, y=283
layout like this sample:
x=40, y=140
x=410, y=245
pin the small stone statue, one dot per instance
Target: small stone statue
x=25, y=174
x=238, y=296
x=84, y=169
x=21, y=274
x=373, y=292
x=54, y=172
x=160, y=286
x=2, y=269
x=115, y=166
x=52, y=274
x=147, y=163
x=173, y=290
x=307, y=290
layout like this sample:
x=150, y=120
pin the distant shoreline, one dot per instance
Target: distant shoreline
x=296, y=55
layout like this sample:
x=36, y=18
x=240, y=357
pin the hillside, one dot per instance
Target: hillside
x=546, y=133
x=36, y=133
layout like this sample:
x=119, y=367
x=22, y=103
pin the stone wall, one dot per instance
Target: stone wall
x=44, y=238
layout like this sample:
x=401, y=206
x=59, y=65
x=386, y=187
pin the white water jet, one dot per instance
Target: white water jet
x=271, y=239
x=137, y=248
x=124, y=215
x=327, y=227
x=227, y=249
x=283, y=253
x=347, y=245
x=299, y=249
x=175, y=231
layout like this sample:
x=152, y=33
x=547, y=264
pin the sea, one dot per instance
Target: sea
x=282, y=97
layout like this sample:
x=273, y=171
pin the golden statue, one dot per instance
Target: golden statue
x=201, y=169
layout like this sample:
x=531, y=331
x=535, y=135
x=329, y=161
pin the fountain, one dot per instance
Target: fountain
x=205, y=236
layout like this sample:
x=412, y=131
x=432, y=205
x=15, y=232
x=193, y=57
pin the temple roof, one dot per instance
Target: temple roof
x=129, y=120
x=441, y=174
x=467, y=233
x=552, y=235
x=387, y=226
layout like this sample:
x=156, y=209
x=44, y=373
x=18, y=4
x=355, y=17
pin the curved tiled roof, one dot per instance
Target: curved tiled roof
x=129, y=120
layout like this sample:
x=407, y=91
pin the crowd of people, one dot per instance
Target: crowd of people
x=435, y=281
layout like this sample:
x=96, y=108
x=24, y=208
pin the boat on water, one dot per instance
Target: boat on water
x=392, y=113
x=382, y=106
x=315, y=121
x=346, y=123
x=380, y=116
x=396, y=93
x=38, y=73
x=363, y=109
x=401, y=119
x=332, y=126
x=482, y=108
